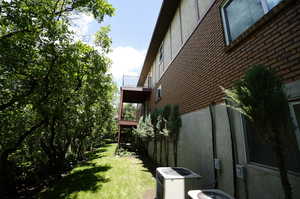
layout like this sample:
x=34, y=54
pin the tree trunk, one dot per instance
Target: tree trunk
x=277, y=147
x=7, y=184
x=155, y=149
x=167, y=151
x=175, y=150
x=160, y=150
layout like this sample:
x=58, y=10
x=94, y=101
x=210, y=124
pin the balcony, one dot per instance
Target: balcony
x=130, y=93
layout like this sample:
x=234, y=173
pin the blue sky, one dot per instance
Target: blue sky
x=131, y=31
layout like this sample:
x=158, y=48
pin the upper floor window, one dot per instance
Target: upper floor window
x=239, y=15
x=161, y=53
x=158, y=94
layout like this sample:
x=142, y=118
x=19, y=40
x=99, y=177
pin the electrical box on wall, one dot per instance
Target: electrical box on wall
x=240, y=171
x=217, y=164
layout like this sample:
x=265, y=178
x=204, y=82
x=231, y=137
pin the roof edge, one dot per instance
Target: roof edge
x=165, y=17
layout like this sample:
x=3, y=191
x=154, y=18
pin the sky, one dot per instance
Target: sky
x=131, y=31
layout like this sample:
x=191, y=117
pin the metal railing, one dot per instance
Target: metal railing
x=130, y=81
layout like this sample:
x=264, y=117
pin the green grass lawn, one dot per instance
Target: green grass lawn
x=105, y=176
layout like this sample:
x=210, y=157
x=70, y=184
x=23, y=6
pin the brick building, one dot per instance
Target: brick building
x=198, y=46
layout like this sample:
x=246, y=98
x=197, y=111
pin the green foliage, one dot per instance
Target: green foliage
x=55, y=93
x=260, y=97
x=166, y=124
x=122, y=152
x=104, y=175
x=129, y=112
x=175, y=121
x=174, y=126
x=144, y=129
x=102, y=39
x=167, y=112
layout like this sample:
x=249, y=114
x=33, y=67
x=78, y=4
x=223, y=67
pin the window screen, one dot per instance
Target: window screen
x=262, y=153
x=272, y=3
x=240, y=15
x=295, y=109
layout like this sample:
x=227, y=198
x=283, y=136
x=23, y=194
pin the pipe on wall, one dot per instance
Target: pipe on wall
x=214, y=144
x=234, y=150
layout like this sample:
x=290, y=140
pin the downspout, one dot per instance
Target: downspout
x=214, y=144
x=234, y=150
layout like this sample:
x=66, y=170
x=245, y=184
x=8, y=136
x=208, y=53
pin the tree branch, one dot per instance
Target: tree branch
x=17, y=98
x=23, y=137
x=11, y=34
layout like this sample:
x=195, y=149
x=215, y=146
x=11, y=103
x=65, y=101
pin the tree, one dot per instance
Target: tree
x=145, y=130
x=166, y=119
x=174, y=126
x=260, y=97
x=52, y=88
x=129, y=112
x=154, y=117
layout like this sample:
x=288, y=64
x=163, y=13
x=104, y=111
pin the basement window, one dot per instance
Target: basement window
x=295, y=112
x=261, y=153
x=239, y=15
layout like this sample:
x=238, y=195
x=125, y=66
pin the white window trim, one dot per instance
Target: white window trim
x=224, y=22
x=158, y=93
x=265, y=8
x=293, y=114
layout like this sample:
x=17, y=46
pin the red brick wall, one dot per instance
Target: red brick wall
x=204, y=64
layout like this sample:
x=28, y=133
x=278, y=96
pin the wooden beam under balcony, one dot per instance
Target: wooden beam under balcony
x=127, y=124
x=135, y=94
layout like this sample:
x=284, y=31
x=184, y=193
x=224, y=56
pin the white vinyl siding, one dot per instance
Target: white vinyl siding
x=151, y=77
x=157, y=64
x=183, y=24
x=154, y=73
x=189, y=17
x=167, y=50
x=203, y=6
x=176, y=34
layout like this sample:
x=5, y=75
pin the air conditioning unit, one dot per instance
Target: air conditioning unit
x=175, y=182
x=209, y=194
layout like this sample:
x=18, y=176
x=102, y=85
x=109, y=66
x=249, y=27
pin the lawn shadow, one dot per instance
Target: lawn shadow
x=147, y=163
x=89, y=179
x=98, y=153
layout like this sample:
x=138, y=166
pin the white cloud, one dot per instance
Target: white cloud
x=126, y=61
x=80, y=26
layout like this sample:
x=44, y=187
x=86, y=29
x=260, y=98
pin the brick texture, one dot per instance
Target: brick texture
x=205, y=63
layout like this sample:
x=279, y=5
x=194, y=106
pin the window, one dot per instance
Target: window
x=295, y=112
x=261, y=152
x=239, y=15
x=161, y=53
x=158, y=94
x=258, y=151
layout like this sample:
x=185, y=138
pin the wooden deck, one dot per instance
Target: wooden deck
x=128, y=124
